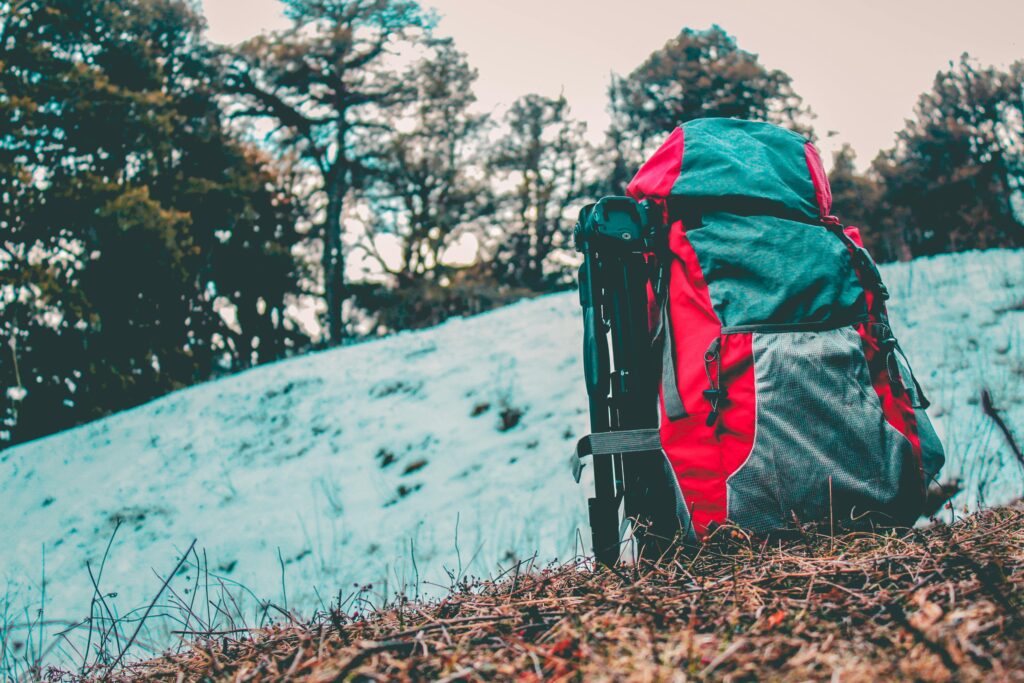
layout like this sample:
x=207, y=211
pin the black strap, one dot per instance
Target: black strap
x=867, y=270
x=918, y=399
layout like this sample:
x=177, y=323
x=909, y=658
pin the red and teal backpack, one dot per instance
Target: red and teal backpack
x=785, y=396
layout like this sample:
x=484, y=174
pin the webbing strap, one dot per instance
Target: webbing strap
x=626, y=441
x=867, y=270
x=917, y=398
x=669, y=382
x=607, y=443
x=663, y=335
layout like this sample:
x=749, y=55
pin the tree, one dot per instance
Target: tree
x=429, y=186
x=957, y=169
x=323, y=85
x=857, y=199
x=543, y=158
x=428, y=196
x=127, y=210
x=696, y=74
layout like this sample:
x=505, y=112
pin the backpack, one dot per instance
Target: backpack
x=784, y=395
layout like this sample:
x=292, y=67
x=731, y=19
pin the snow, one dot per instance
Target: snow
x=386, y=464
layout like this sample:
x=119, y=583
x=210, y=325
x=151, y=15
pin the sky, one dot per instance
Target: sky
x=859, y=64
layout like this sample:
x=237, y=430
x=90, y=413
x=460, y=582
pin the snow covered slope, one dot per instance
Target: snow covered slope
x=397, y=462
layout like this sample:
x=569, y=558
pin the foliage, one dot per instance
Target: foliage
x=951, y=179
x=857, y=199
x=697, y=74
x=543, y=159
x=425, y=302
x=325, y=85
x=131, y=219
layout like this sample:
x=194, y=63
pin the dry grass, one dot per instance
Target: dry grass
x=940, y=604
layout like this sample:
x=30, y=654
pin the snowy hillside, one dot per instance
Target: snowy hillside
x=395, y=462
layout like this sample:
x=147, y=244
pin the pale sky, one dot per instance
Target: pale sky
x=859, y=64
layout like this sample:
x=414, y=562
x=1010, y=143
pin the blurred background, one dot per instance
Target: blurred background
x=194, y=188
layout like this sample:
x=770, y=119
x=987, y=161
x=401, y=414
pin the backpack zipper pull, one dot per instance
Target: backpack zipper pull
x=715, y=393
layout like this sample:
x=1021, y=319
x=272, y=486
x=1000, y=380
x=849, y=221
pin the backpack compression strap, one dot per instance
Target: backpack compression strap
x=663, y=335
x=865, y=266
x=608, y=443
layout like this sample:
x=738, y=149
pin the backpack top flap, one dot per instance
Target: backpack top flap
x=742, y=166
x=751, y=196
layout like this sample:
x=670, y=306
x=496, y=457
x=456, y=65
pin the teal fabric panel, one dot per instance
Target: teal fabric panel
x=730, y=159
x=769, y=270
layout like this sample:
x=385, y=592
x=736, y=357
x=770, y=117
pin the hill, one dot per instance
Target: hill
x=944, y=603
x=401, y=463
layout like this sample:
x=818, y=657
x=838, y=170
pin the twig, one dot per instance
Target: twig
x=369, y=649
x=990, y=410
x=142, y=621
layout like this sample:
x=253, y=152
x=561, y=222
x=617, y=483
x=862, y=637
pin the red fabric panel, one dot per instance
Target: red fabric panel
x=853, y=232
x=898, y=410
x=822, y=190
x=694, y=322
x=703, y=457
x=653, y=312
x=656, y=177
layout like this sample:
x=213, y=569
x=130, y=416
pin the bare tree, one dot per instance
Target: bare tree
x=323, y=85
x=544, y=158
x=430, y=186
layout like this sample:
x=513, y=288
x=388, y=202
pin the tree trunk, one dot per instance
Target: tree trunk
x=333, y=261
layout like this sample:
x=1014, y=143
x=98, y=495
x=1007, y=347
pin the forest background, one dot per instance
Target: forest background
x=173, y=209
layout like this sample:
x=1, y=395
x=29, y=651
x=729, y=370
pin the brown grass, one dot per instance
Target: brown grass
x=940, y=604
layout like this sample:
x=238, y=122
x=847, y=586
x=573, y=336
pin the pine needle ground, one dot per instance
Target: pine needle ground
x=943, y=603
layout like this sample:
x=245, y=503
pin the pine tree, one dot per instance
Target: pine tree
x=131, y=210
x=954, y=179
x=857, y=199
x=428, y=194
x=429, y=187
x=544, y=159
x=697, y=74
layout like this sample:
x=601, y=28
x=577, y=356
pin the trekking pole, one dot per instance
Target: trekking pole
x=616, y=236
x=603, y=507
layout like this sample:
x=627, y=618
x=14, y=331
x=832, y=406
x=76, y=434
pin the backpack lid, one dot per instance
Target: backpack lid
x=735, y=163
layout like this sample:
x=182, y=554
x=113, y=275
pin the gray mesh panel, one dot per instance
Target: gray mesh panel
x=817, y=417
